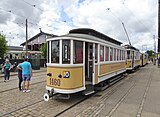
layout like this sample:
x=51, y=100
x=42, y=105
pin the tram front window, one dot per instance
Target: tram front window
x=66, y=51
x=55, y=52
x=78, y=52
x=128, y=54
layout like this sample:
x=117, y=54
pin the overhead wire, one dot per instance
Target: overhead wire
x=32, y=5
x=137, y=18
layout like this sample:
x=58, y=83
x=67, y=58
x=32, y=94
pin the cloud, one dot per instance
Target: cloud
x=60, y=16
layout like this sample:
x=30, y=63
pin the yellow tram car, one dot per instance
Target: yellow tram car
x=133, y=58
x=144, y=59
x=82, y=59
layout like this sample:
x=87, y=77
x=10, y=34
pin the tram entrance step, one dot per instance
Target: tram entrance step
x=89, y=90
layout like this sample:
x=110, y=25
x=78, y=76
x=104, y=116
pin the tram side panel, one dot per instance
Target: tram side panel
x=129, y=64
x=65, y=78
x=110, y=70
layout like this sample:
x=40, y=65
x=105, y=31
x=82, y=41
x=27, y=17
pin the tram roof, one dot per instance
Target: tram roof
x=130, y=47
x=95, y=33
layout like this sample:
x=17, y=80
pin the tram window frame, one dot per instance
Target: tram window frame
x=66, y=51
x=123, y=55
x=78, y=55
x=120, y=54
x=107, y=53
x=117, y=54
x=101, y=53
x=111, y=54
x=115, y=58
x=57, y=51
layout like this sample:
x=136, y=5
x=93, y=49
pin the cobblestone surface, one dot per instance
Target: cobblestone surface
x=110, y=102
x=15, y=103
x=114, y=106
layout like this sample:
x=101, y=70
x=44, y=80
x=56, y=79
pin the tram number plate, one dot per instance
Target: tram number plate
x=55, y=82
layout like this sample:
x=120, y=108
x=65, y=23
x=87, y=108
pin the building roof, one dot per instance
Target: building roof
x=15, y=48
x=95, y=33
x=36, y=36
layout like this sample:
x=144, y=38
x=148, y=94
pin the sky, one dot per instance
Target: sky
x=140, y=18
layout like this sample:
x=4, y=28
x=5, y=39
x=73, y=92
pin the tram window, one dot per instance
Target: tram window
x=128, y=54
x=111, y=54
x=96, y=52
x=77, y=52
x=66, y=51
x=55, y=52
x=107, y=54
x=101, y=53
x=123, y=55
x=115, y=54
x=120, y=51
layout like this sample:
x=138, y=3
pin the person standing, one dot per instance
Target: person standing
x=26, y=74
x=7, y=67
x=20, y=78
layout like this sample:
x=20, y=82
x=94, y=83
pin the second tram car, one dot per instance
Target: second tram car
x=82, y=59
x=133, y=58
x=144, y=59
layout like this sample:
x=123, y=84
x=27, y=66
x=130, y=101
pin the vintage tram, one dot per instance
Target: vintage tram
x=133, y=58
x=81, y=60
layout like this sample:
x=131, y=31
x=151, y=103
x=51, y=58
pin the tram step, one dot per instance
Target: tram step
x=88, y=92
x=63, y=96
x=89, y=89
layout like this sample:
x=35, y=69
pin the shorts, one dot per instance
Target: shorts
x=26, y=77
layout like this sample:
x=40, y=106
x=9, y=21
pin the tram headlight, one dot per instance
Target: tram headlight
x=66, y=74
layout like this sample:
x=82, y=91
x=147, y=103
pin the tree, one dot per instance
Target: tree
x=3, y=45
x=43, y=49
x=150, y=53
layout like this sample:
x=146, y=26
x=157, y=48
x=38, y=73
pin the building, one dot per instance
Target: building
x=35, y=43
x=14, y=52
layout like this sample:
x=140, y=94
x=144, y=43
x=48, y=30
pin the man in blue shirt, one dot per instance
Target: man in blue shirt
x=26, y=74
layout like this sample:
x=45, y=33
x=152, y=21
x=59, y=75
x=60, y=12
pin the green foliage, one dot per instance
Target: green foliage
x=43, y=49
x=150, y=53
x=3, y=45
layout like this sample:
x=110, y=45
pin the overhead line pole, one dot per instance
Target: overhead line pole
x=126, y=33
x=26, y=37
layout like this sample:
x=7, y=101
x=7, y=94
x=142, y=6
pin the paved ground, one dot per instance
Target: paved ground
x=137, y=95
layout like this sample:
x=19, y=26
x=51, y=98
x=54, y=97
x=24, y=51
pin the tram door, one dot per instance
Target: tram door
x=89, y=63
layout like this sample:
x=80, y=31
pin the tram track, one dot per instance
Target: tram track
x=26, y=106
x=17, y=78
x=125, y=96
x=17, y=87
x=13, y=88
x=84, y=99
x=41, y=100
x=15, y=74
x=111, y=89
x=94, y=110
x=144, y=97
